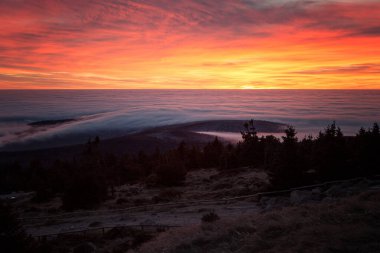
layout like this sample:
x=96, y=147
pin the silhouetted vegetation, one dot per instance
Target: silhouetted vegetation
x=12, y=236
x=170, y=173
x=87, y=179
x=210, y=217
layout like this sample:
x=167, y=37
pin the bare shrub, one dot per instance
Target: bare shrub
x=210, y=217
x=171, y=174
x=121, y=201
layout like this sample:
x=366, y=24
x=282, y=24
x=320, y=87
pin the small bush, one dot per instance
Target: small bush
x=222, y=186
x=140, y=237
x=122, y=247
x=95, y=224
x=42, y=196
x=210, y=217
x=120, y=201
x=84, y=192
x=117, y=232
x=167, y=195
x=171, y=174
x=141, y=201
x=12, y=236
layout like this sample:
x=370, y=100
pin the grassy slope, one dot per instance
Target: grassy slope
x=346, y=225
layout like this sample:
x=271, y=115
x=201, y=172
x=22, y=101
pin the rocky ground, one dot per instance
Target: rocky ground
x=335, y=224
x=203, y=191
x=229, y=195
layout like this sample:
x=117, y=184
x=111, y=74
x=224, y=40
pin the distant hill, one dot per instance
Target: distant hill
x=164, y=137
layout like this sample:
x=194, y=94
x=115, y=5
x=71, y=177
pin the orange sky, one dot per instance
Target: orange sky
x=185, y=44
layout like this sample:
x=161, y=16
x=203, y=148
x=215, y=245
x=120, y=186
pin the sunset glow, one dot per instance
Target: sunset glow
x=190, y=44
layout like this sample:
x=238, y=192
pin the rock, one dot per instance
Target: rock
x=336, y=191
x=116, y=232
x=134, y=190
x=269, y=203
x=316, y=191
x=87, y=247
x=148, y=222
x=363, y=184
x=297, y=196
x=263, y=201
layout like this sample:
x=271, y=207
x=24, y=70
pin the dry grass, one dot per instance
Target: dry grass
x=347, y=225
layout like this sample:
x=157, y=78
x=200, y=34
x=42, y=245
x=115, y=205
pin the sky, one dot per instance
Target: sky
x=190, y=44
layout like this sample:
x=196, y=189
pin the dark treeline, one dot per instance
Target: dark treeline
x=89, y=178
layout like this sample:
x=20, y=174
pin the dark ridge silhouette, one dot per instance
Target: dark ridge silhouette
x=289, y=162
x=164, y=138
x=140, y=139
x=50, y=122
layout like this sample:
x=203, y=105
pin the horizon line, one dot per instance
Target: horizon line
x=237, y=89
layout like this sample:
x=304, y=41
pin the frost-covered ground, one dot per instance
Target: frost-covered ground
x=204, y=191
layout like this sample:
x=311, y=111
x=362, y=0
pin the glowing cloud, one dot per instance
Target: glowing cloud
x=189, y=44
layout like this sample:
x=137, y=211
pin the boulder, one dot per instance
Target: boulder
x=298, y=197
x=148, y=222
x=336, y=191
x=316, y=191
